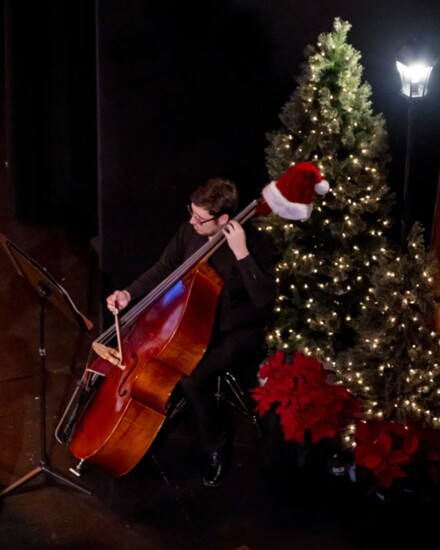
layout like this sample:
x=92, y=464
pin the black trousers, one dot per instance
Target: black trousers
x=226, y=351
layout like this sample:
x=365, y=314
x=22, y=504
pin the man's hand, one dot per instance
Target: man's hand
x=118, y=300
x=236, y=238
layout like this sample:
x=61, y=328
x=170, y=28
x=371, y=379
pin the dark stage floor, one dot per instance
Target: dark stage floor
x=265, y=503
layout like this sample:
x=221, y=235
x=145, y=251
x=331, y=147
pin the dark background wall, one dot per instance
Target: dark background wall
x=117, y=110
x=51, y=110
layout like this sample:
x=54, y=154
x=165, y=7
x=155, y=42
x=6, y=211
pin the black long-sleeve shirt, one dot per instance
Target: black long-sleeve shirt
x=248, y=294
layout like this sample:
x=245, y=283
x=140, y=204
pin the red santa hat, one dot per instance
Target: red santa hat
x=291, y=197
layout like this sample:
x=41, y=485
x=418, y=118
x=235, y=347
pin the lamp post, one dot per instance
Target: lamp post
x=415, y=63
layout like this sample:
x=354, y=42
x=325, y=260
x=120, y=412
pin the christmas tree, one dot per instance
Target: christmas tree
x=395, y=366
x=324, y=273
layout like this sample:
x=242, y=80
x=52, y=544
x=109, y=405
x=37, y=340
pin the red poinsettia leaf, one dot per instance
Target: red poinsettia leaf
x=411, y=444
x=433, y=473
x=263, y=400
x=309, y=362
x=386, y=477
x=355, y=407
x=321, y=414
x=430, y=444
x=261, y=408
x=304, y=384
x=278, y=391
x=309, y=368
x=283, y=411
x=341, y=392
x=297, y=436
x=399, y=429
x=309, y=421
x=303, y=401
x=258, y=393
x=322, y=392
x=266, y=398
x=383, y=443
x=321, y=395
x=288, y=422
x=277, y=359
x=363, y=449
x=273, y=367
x=320, y=431
x=287, y=384
x=398, y=457
x=334, y=407
x=292, y=429
x=289, y=370
x=377, y=427
x=372, y=462
x=363, y=431
x=267, y=371
x=432, y=455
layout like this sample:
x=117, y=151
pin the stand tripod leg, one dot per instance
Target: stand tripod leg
x=44, y=462
x=66, y=480
x=38, y=470
x=22, y=480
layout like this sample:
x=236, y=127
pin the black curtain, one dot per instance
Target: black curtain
x=50, y=98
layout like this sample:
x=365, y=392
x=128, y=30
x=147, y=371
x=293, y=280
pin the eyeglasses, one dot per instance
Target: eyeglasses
x=199, y=220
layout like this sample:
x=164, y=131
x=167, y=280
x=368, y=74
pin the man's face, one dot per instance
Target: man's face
x=204, y=223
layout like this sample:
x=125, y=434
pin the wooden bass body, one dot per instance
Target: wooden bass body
x=167, y=342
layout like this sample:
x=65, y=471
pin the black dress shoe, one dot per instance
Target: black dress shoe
x=215, y=470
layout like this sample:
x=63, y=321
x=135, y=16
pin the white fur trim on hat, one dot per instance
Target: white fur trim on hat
x=284, y=208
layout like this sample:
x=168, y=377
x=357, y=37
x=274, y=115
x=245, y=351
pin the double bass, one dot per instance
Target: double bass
x=123, y=397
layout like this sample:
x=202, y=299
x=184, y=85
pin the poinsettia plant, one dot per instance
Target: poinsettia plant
x=298, y=390
x=385, y=447
x=300, y=394
x=390, y=449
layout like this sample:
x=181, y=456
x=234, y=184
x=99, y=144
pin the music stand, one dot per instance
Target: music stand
x=47, y=289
